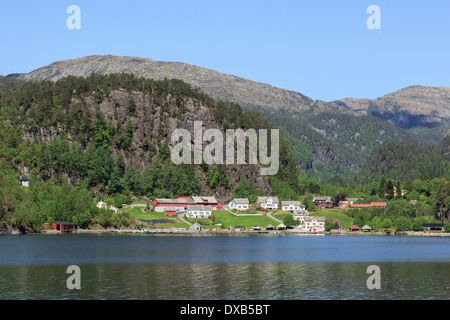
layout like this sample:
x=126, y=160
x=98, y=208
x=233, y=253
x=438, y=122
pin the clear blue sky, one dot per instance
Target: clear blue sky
x=320, y=48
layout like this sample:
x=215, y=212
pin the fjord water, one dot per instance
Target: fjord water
x=118, y=266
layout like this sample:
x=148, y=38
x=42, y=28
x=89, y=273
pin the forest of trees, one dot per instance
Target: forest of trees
x=67, y=176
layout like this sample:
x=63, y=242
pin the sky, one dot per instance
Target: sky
x=322, y=49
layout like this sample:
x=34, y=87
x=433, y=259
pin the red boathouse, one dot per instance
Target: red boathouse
x=63, y=226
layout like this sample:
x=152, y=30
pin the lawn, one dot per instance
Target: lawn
x=137, y=213
x=229, y=219
x=280, y=215
x=335, y=213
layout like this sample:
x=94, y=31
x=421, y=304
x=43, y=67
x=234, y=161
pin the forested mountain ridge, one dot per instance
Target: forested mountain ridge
x=327, y=138
x=112, y=134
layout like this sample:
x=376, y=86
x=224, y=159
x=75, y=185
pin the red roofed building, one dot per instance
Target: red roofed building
x=355, y=228
x=360, y=205
x=379, y=204
x=338, y=223
x=181, y=203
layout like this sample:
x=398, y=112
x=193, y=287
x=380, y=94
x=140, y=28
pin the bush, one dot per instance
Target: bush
x=447, y=227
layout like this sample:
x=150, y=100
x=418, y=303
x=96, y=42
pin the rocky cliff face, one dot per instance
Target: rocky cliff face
x=153, y=122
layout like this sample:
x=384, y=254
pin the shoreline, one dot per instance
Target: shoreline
x=173, y=231
x=176, y=232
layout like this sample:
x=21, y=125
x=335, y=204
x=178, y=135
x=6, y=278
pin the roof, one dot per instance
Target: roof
x=211, y=200
x=172, y=209
x=281, y=226
x=432, y=225
x=317, y=218
x=301, y=212
x=361, y=205
x=355, y=227
x=195, y=225
x=241, y=200
x=198, y=208
x=321, y=199
x=286, y=203
x=366, y=227
x=270, y=226
x=264, y=199
x=63, y=222
x=378, y=204
x=175, y=201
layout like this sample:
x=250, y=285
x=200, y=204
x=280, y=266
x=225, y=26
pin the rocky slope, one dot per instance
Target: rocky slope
x=218, y=85
x=342, y=132
x=408, y=107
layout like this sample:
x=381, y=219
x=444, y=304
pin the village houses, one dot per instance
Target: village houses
x=267, y=203
x=240, y=204
x=291, y=206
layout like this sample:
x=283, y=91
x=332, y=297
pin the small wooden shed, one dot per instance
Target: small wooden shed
x=63, y=226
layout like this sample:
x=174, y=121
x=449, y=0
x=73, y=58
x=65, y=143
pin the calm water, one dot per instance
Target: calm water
x=223, y=267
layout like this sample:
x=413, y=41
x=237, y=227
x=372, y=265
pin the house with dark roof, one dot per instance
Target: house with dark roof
x=322, y=202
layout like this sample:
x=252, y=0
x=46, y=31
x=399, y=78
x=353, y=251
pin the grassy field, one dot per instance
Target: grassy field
x=137, y=213
x=280, y=215
x=335, y=213
x=229, y=219
x=226, y=218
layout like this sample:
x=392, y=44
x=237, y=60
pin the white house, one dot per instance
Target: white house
x=104, y=205
x=240, y=204
x=267, y=203
x=24, y=182
x=315, y=224
x=198, y=212
x=291, y=206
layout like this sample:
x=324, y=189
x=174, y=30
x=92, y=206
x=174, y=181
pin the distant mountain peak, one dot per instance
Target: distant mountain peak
x=221, y=86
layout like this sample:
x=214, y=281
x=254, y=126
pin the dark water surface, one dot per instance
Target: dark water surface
x=223, y=267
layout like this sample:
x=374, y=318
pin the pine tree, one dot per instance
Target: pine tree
x=382, y=188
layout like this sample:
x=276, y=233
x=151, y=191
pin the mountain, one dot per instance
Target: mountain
x=112, y=133
x=219, y=86
x=327, y=138
x=408, y=107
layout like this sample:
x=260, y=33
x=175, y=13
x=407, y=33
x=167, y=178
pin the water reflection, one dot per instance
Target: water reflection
x=230, y=268
x=228, y=281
